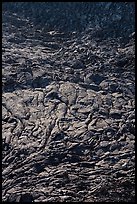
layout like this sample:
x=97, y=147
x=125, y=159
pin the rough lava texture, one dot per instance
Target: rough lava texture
x=68, y=105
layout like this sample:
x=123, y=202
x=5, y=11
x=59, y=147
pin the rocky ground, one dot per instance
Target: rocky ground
x=68, y=115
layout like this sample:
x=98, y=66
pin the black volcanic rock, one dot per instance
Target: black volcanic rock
x=68, y=102
x=117, y=17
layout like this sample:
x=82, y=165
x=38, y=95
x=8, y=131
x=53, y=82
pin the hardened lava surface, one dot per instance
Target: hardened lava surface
x=68, y=115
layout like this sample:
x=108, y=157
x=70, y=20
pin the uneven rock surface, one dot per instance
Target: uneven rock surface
x=68, y=115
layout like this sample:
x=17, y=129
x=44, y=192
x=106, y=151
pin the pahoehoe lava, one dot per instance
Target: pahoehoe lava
x=68, y=102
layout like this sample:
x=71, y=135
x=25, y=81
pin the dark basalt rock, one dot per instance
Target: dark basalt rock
x=68, y=102
x=79, y=16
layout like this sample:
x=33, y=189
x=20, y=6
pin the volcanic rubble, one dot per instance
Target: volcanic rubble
x=68, y=116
